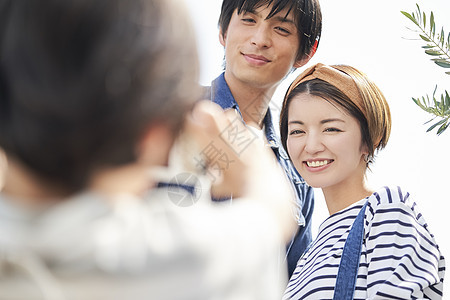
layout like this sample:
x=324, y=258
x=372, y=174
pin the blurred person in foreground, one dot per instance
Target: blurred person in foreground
x=93, y=95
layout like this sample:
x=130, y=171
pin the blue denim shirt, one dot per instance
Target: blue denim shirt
x=220, y=93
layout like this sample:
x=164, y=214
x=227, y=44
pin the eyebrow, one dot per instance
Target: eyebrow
x=324, y=121
x=276, y=17
x=283, y=20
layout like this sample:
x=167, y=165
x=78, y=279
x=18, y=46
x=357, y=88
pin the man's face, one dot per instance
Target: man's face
x=260, y=52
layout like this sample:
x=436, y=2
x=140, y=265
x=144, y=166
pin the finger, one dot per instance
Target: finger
x=209, y=116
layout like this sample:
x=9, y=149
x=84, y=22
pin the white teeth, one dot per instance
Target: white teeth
x=317, y=163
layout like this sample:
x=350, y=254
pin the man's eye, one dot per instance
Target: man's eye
x=248, y=20
x=282, y=30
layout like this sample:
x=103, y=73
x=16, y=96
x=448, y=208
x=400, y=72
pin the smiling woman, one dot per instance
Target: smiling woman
x=348, y=127
x=333, y=121
x=324, y=143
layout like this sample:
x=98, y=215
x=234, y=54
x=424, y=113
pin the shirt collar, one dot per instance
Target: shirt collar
x=221, y=94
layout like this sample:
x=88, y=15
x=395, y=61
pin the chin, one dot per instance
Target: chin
x=315, y=183
x=312, y=183
x=316, y=186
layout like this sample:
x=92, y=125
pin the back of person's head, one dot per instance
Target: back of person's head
x=82, y=80
x=349, y=89
x=307, y=17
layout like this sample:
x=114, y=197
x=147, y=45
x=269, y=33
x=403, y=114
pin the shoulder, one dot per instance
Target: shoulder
x=393, y=205
x=390, y=197
x=399, y=245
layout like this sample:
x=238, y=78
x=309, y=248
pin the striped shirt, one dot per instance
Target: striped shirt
x=400, y=258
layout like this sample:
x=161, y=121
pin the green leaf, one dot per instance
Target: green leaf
x=444, y=104
x=442, y=128
x=425, y=38
x=432, y=28
x=419, y=103
x=438, y=47
x=442, y=63
x=425, y=101
x=429, y=121
x=410, y=17
x=436, y=103
x=419, y=14
x=432, y=25
x=435, y=125
x=422, y=106
x=439, y=59
x=433, y=52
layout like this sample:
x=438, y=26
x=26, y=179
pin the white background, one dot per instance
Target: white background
x=373, y=37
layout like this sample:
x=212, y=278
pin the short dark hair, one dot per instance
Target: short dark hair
x=307, y=16
x=82, y=80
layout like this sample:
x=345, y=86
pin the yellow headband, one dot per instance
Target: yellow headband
x=335, y=77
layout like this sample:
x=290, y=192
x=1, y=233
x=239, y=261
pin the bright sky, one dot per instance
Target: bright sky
x=373, y=37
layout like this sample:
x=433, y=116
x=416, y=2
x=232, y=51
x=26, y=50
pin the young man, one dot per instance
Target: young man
x=92, y=96
x=264, y=40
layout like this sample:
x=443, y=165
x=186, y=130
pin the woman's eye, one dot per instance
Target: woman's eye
x=296, y=131
x=332, y=129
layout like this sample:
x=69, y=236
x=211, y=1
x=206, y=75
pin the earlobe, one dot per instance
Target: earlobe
x=222, y=38
x=301, y=62
x=365, y=154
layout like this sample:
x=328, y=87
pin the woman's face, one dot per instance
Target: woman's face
x=324, y=142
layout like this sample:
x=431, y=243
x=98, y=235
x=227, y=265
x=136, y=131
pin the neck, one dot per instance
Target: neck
x=253, y=101
x=130, y=179
x=29, y=188
x=341, y=195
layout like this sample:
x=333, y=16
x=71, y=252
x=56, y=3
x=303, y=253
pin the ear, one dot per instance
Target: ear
x=222, y=37
x=301, y=62
x=364, y=151
x=154, y=146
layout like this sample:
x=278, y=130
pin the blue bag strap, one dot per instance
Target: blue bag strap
x=351, y=255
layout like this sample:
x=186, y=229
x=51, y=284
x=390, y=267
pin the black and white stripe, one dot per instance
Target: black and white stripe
x=399, y=260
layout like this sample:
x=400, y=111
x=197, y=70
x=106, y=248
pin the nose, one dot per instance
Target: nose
x=314, y=144
x=261, y=36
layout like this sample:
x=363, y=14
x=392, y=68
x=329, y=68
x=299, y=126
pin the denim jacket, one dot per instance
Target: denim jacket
x=220, y=93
